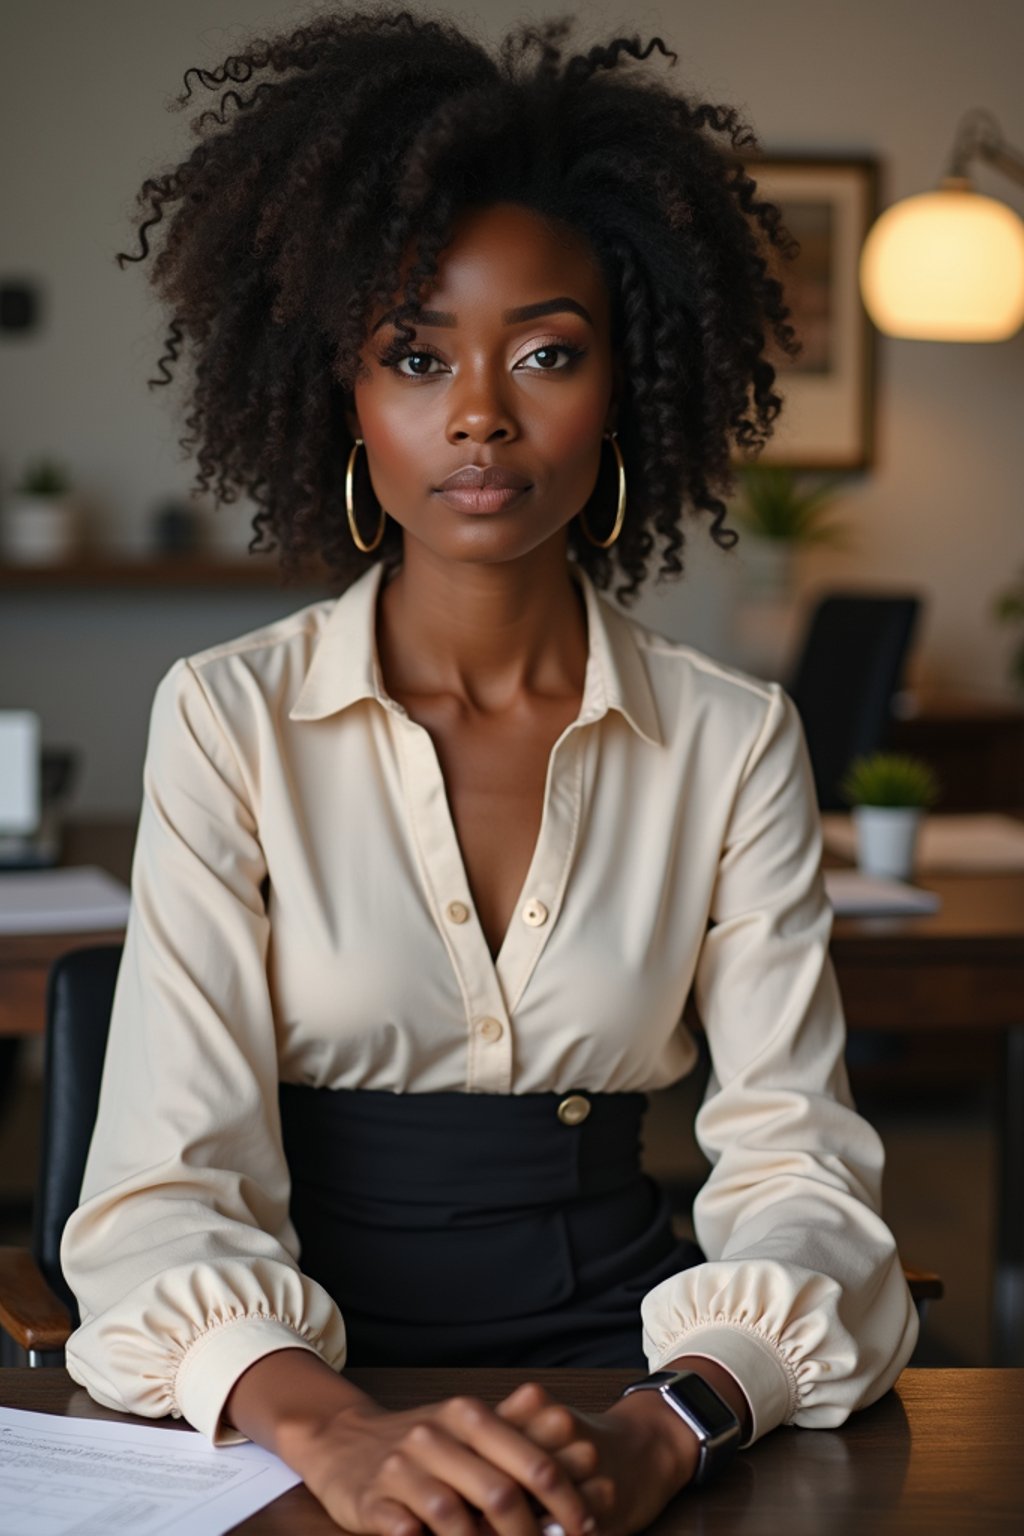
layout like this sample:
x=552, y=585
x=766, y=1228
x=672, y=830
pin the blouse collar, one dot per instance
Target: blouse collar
x=346, y=668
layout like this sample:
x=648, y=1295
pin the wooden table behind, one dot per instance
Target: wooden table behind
x=939, y=1454
x=961, y=967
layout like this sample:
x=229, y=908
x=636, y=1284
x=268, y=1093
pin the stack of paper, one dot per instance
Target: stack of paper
x=855, y=895
x=79, y=899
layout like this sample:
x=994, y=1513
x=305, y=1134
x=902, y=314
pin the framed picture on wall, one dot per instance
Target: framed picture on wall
x=828, y=204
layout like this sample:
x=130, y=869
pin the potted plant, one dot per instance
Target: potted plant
x=890, y=793
x=1009, y=609
x=41, y=521
x=782, y=513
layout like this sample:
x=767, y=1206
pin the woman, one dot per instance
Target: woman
x=425, y=875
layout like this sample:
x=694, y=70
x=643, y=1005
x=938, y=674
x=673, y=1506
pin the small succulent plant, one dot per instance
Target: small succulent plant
x=778, y=507
x=890, y=779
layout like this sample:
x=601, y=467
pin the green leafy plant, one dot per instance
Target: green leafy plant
x=1008, y=608
x=44, y=477
x=777, y=506
x=890, y=779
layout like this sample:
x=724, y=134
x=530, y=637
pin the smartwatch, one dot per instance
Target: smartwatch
x=709, y=1416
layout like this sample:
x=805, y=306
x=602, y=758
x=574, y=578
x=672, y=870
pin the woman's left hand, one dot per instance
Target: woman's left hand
x=629, y=1461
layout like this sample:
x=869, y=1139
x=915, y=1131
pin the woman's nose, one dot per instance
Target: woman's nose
x=480, y=408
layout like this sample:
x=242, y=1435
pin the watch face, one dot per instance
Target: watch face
x=705, y=1402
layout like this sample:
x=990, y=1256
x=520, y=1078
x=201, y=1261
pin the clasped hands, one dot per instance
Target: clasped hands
x=461, y=1468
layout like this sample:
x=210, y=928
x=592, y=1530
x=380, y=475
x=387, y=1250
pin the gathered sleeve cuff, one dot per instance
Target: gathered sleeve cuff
x=215, y=1361
x=177, y=1345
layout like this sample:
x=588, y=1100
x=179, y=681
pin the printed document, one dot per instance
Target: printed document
x=90, y=1477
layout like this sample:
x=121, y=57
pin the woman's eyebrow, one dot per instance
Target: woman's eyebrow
x=509, y=317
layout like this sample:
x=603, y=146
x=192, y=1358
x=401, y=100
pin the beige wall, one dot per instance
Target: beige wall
x=84, y=89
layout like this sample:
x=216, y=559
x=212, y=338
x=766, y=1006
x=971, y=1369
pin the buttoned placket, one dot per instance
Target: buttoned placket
x=491, y=989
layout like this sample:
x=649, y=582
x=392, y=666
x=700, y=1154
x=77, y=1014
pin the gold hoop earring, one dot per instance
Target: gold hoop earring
x=350, y=509
x=620, y=510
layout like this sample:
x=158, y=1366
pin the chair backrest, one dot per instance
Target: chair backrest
x=79, y=999
x=849, y=668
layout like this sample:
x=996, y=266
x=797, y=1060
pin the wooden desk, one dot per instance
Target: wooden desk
x=960, y=968
x=939, y=1454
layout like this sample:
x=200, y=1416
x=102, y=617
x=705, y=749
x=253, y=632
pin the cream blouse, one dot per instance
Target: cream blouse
x=300, y=910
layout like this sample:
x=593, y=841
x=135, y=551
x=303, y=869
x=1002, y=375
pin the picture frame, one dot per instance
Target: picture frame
x=828, y=203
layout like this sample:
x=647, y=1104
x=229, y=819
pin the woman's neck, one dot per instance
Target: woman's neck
x=487, y=634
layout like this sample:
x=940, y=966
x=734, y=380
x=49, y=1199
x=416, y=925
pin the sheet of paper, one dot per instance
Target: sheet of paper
x=77, y=899
x=958, y=844
x=855, y=895
x=87, y=1477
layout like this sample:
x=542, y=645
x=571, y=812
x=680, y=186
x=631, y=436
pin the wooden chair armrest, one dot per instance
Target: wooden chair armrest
x=924, y=1284
x=29, y=1311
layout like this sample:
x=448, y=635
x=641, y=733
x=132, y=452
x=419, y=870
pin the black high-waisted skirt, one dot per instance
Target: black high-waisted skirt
x=480, y=1229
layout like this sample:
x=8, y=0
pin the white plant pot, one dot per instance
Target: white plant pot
x=40, y=530
x=887, y=839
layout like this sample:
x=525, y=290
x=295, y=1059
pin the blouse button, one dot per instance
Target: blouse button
x=535, y=913
x=457, y=911
x=489, y=1029
x=574, y=1109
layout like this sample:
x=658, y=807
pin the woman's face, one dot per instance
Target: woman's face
x=482, y=384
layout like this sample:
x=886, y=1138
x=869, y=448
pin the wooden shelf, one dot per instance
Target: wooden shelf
x=251, y=572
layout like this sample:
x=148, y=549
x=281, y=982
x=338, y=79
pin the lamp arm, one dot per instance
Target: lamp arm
x=980, y=137
x=1004, y=160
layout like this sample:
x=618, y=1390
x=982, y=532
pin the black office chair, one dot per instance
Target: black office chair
x=849, y=668
x=37, y=1310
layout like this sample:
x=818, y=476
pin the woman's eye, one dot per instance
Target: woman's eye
x=415, y=357
x=548, y=352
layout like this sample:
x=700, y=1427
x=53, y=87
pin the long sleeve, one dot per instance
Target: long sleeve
x=803, y=1296
x=182, y=1255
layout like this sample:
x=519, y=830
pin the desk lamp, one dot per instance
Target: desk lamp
x=948, y=265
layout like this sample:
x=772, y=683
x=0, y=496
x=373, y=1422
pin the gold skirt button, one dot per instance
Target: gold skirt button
x=574, y=1109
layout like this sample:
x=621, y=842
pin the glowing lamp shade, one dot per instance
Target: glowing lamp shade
x=945, y=266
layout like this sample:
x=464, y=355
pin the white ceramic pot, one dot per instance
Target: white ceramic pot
x=40, y=530
x=887, y=839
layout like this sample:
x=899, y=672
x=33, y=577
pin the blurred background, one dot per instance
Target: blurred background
x=912, y=444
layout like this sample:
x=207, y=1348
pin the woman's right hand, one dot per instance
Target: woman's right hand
x=442, y=1466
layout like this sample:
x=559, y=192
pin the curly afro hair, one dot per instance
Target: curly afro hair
x=297, y=206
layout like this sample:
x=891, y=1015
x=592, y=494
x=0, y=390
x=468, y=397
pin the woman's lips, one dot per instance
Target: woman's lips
x=492, y=498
